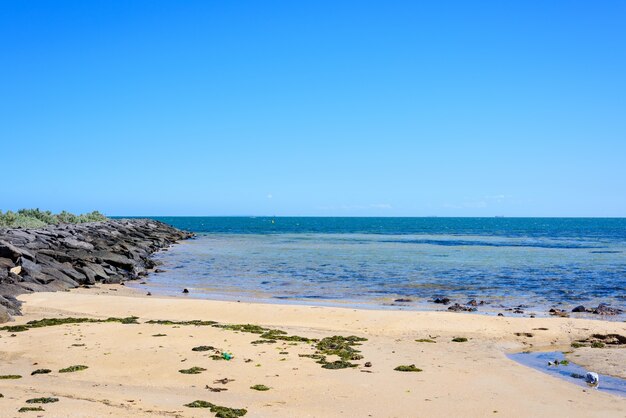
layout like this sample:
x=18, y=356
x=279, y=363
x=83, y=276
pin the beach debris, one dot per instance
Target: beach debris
x=72, y=369
x=159, y=335
x=41, y=371
x=368, y=364
x=224, y=381
x=227, y=356
x=592, y=379
x=214, y=389
x=203, y=348
x=219, y=411
x=49, y=322
x=524, y=334
x=10, y=376
x=600, y=341
x=30, y=409
x=425, y=340
x=43, y=400
x=260, y=388
x=459, y=339
x=192, y=370
x=442, y=300
x=409, y=368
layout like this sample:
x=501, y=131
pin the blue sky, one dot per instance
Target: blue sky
x=352, y=108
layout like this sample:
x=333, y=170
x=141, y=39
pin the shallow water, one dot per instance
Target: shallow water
x=540, y=361
x=372, y=261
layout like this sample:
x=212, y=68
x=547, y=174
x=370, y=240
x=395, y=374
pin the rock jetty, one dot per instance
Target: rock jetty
x=60, y=257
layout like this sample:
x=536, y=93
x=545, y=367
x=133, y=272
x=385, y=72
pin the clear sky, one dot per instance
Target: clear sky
x=350, y=108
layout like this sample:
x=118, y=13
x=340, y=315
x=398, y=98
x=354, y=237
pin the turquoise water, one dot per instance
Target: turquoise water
x=506, y=262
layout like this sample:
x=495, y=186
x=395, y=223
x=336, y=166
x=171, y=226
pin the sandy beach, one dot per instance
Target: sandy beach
x=133, y=369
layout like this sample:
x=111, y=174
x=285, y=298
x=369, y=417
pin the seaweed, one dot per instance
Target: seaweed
x=409, y=368
x=10, y=376
x=337, y=364
x=43, y=400
x=192, y=370
x=41, y=371
x=30, y=408
x=597, y=344
x=255, y=342
x=49, y=322
x=577, y=345
x=159, y=335
x=216, y=357
x=203, y=348
x=72, y=369
x=459, y=339
x=219, y=411
x=260, y=388
x=196, y=322
x=425, y=340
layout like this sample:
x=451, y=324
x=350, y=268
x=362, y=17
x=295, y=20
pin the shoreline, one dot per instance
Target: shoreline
x=135, y=363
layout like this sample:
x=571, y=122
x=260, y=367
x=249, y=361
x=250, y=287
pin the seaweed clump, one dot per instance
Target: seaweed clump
x=409, y=368
x=459, y=340
x=192, y=370
x=260, y=388
x=30, y=408
x=203, y=348
x=196, y=322
x=340, y=346
x=72, y=369
x=219, y=411
x=43, y=400
x=425, y=340
x=10, y=376
x=41, y=371
x=50, y=322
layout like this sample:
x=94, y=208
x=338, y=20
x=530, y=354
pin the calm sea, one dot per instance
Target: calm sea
x=536, y=262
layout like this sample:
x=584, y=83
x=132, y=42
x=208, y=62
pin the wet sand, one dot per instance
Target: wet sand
x=133, y=369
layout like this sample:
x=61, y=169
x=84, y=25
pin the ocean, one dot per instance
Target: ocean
x=530, y=264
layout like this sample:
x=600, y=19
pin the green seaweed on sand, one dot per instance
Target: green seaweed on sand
x=31, y=409
x=425, y=340
x=219, y=411
x=159, y=335
x=216, y=357
x=342, y=347
x=203, y=348
x=196, y=322
x=72, y=369
x=260, y=388
x=10, y=376
x=337, y=364
x=256, y=342
x=41, y=371
x=50, y=322
x=597, y=344
x=409, y=368
x=564, y=362
x=577, y=345
x=43, y=400
x=459, y=340
x=192, y=370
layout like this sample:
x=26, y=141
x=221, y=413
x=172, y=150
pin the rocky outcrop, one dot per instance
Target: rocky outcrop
x=64, y=256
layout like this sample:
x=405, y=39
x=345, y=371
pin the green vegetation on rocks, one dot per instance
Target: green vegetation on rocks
x=35, y=218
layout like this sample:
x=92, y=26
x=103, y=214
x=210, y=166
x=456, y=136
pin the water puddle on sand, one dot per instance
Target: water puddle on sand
x=540, y=360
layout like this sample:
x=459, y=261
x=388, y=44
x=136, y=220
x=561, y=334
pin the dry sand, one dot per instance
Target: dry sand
x=134, y=373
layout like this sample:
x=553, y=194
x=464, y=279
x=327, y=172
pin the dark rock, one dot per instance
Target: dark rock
x=500, y=314
x=368, y=364
x=8, y=250
x=579, y=308
x=460, y=308
x=403, y=300
x=443, y=301
x=185, y=290
x=604, y=309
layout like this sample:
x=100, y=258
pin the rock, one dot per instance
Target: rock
x=403, y=300
x=16, y=270
x=579, y=308
x=443, y=301
x=460, y=308
x=6, y=263
x=4, y=315
x=185, y=290
x=8, y=250
x=368, y=364
x=604, y=309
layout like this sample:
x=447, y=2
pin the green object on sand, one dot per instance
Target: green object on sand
x=227, y=356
